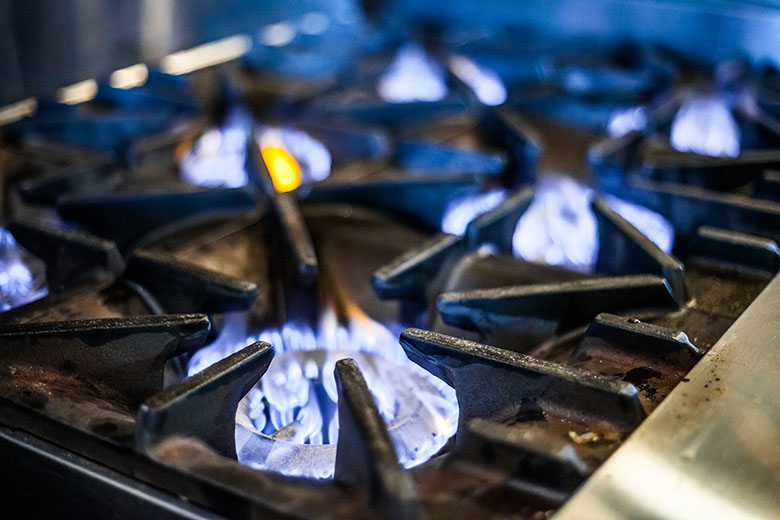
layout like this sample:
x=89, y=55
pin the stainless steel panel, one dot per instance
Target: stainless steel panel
x=712, y=448
x=46, y=44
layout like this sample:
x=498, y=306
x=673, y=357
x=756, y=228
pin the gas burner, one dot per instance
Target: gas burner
x=301, y=411
x=362, y=290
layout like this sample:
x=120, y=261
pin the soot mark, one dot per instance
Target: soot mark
x=640, y=375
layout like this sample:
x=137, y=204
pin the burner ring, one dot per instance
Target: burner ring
x=418, y=427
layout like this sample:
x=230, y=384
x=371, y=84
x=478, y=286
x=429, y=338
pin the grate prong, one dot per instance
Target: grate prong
x=493, y=383
x=204, y=406
x=365, y=456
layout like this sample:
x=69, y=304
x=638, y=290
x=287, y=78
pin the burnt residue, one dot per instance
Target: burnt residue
x=564, y=422
x=488, y=452
x=33, y=399
x=67, y=367
x=71, y=399
x=104, y=428
x=640, y=376
x=529, y=410
x=463, y=490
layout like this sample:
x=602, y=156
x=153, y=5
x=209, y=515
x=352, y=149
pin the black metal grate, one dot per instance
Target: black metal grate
x=552, y=368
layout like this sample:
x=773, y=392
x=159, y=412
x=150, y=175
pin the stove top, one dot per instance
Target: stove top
x=436, y=277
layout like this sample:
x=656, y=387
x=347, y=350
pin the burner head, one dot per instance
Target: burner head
x=289, y=422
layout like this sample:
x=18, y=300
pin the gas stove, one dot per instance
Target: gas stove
x=441, y=276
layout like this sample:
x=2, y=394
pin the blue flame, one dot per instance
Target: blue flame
x=626, y=120
x=706, y=126
x=19, y=284
x=289, y=422
x=559, y=227
x=461, y=211
x=314, y=22
x=312, y=156
x=278, y=34
x=655, y=227
x=412, y=76
x=485, y=83
x=218, y=157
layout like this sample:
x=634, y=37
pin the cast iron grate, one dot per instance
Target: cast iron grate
x=552, y=368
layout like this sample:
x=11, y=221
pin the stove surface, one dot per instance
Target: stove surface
x=426, y=275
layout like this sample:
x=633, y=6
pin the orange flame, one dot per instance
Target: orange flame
x=284, y=169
